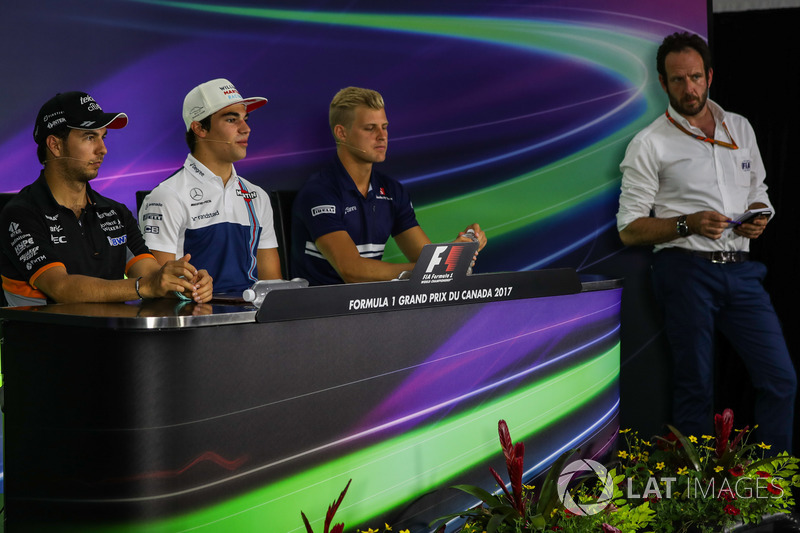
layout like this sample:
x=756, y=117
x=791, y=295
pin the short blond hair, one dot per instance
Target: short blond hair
x=345, y=102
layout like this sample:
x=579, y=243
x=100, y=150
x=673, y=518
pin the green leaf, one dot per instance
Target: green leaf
x=688, y=448
x=549, y=494
x=484, y=496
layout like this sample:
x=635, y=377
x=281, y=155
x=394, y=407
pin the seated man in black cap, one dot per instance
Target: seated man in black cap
x=63, y=242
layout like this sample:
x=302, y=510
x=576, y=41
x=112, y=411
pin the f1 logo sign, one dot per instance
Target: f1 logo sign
x=436, y=258
x=451, y=261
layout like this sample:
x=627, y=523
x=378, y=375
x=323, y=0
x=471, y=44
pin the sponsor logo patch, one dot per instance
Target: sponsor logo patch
x=323, y=210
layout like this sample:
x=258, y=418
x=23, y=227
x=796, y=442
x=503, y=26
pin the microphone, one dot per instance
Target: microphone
x=213, y=140
x=351, y=146
x=90, y=161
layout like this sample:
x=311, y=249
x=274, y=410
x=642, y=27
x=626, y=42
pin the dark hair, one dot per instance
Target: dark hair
x=678, y=42
x=191, y=138
x=42, y=149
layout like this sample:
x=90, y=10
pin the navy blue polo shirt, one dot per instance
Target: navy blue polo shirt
x=330, y=201
x=36, y=233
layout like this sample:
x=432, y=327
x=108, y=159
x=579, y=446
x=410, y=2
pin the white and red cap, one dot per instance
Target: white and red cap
x=211, y=96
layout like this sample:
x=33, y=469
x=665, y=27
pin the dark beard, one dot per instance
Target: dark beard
x=698, y=106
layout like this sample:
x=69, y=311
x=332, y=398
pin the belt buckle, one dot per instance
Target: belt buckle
x=719, y=258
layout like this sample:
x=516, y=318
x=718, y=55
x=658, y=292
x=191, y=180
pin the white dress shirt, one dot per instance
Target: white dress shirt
x=671, y=173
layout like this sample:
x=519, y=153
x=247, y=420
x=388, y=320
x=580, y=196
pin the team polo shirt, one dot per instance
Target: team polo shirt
x=38, y=234
x=330, y=201
x=222, y=226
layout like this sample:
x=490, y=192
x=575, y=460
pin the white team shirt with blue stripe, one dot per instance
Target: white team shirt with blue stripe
x=223, y=227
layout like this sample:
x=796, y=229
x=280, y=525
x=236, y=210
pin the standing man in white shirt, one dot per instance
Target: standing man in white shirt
x=697, y=168
x=205, y=208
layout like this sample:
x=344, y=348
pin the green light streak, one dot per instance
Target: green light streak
x=437, y=453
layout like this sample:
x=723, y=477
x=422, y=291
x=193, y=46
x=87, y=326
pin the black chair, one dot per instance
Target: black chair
x=282, y=219
x=5, y=197
x=140, y=195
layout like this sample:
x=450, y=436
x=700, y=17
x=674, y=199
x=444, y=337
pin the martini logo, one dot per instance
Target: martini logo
x=247, y=195
x=585, y=509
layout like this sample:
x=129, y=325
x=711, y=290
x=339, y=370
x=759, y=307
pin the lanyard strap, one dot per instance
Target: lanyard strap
x=731, y=145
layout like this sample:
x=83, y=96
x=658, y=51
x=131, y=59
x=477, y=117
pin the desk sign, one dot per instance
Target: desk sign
x=431, y=285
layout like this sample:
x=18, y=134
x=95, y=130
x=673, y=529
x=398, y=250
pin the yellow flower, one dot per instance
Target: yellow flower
x=682, y=471
x=405, y=531
x=707, y=437
x=764, y=446
x=646, y=443
x=692, y=438
x=623, y=454
x=659, y=466
x=526, y=487
x=621, y=431
x=387, y=527
x=718, y=469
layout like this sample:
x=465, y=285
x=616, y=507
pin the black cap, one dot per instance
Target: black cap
x=75, y=110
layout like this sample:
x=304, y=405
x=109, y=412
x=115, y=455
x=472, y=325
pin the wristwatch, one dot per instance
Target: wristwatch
x=682, y=227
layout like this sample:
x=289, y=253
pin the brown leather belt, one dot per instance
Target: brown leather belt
x=717, y=257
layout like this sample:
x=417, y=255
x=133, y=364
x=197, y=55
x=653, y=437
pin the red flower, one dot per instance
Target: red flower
x=567, y=512
x=727, y=495
x=761, y=473
x=723, y=424
x=775, y=489
x=609, y=529
x=737, y=471
x=514, y=455
x=337, y=528
x=730, y=509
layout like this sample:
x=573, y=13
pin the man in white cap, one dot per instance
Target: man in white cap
x=63, y=242
x=205, y=208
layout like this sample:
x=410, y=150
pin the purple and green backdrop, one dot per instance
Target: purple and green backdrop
x=513, y=115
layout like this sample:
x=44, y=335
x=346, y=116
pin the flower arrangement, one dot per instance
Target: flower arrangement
x=707, y=483
x=667, y=484
x=525, y=509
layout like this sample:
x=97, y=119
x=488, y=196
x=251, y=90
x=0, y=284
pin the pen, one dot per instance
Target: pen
x=729, y=221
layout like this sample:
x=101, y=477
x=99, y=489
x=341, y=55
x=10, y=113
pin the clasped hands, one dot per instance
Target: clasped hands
x=177, y=276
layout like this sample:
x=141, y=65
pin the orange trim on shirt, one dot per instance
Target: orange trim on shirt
x=136, y=260
x=43, y=270
x=22, y=288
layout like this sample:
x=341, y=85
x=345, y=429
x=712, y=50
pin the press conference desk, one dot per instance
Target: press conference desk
x=156, y=417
